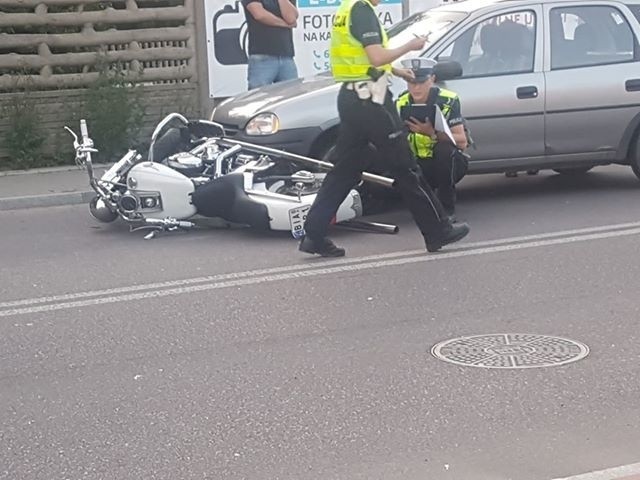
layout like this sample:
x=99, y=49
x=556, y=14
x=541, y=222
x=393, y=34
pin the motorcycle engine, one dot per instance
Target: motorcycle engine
x=299, y=183
x=186, y=163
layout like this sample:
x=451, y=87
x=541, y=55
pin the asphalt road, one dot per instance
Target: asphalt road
x=227, y=354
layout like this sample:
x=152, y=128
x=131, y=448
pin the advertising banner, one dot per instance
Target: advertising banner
x=227, y=40
x=313, y=34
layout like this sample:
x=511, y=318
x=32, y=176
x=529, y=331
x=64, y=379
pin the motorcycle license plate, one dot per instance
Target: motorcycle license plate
x=297, y=216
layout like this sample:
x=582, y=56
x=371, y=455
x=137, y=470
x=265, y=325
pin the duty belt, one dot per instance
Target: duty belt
x=376, y=91
x=352, y=85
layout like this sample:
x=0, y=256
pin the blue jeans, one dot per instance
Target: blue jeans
x=268, y=69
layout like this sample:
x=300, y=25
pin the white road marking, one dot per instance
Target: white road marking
x=299, y=271
x=305, y=266
x=617, y=473
x=208, y=278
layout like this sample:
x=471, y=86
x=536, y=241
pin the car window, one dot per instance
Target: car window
x=504, y=44
x=590, y=35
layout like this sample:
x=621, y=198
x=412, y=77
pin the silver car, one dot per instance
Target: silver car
x=545, y=84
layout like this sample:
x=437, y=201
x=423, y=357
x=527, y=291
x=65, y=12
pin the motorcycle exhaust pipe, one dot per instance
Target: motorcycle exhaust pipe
x=369, y=177
x=369, y=226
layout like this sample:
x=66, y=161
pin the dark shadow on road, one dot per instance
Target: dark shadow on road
x=493, y=187
x=508, y=196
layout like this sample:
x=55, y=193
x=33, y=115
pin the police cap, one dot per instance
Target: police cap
x=422, y=67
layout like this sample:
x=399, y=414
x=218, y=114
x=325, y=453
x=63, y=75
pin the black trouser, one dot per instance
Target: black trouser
x=363, y=122
x=442, y=172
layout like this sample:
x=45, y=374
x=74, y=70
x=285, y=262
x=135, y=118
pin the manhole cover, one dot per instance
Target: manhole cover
x=510, y=350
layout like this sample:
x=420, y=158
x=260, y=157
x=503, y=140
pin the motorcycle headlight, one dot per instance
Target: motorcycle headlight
x=263, y=124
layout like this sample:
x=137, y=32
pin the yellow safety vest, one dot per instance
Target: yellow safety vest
x=348, y=58
x=422, y=145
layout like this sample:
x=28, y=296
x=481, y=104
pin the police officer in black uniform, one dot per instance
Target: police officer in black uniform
x=361, y=61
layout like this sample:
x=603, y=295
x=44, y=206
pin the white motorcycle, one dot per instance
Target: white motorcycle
x=194, y=169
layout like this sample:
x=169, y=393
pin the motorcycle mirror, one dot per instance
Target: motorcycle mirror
x=206, y=129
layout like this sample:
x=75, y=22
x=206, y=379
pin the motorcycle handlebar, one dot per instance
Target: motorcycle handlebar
x=84, y=131
x=168, y=223
x=86, y=146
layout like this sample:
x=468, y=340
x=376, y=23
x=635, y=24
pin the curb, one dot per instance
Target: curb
x=51, y=200
x=48, y=199
x=62, y=168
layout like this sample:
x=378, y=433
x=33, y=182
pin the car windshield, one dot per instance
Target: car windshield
x=432, y=24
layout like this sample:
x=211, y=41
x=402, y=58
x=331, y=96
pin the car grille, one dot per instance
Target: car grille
x=230, y=130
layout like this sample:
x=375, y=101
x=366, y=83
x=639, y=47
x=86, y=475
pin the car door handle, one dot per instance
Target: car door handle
x=632, y=85
x=527, y=92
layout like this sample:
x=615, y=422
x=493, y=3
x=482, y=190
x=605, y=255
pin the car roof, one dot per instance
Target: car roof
x=469, y=6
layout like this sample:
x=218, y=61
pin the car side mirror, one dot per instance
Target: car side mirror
x=447, y=70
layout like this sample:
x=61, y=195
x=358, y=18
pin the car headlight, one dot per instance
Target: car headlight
x=263, y=124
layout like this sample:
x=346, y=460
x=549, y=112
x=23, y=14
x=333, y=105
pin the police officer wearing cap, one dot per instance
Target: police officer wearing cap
x=442, y=161
x=361, y=61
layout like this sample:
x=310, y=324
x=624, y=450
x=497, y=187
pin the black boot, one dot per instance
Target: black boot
x=450, y=234
x=451, y=213
x=447, y=197
x=323, y=247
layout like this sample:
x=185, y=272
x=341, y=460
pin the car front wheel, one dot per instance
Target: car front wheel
x=325, y=155
x=635, y=157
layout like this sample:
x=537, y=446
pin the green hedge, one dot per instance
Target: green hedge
x=112, y=106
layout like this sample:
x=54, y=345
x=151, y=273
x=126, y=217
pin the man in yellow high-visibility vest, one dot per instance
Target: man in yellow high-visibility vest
x=361, y=61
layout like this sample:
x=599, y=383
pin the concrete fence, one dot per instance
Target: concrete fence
x=55, y=46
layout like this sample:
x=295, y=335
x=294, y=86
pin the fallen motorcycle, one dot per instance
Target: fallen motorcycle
x=195, y=169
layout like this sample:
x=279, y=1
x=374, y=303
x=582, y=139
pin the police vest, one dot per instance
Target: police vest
x=348, y=58
x=422, y=145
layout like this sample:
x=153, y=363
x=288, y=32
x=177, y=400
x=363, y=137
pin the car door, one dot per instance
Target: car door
x=501, y=90
x=592, y=78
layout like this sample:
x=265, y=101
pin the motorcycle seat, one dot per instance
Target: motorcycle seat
x=224, y=197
